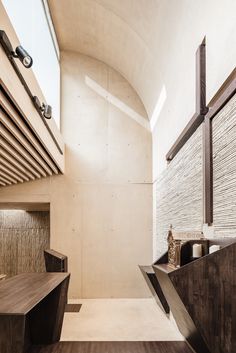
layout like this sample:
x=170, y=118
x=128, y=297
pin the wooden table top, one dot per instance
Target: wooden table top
x=165, y=268
x=21, y=293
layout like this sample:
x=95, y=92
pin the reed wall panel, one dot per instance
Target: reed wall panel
x=224, y=170
x=23, y=238
x=179, y=193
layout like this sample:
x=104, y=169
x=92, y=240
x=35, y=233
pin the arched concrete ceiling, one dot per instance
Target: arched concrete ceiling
x=122, y=33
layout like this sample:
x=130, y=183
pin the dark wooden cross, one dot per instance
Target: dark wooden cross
x=204, y=115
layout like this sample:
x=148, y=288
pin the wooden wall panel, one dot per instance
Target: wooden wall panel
x=23, y=238
x=179, y=193
x=224, y=170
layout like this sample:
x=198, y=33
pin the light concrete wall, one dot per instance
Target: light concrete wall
x=101, y=209
x=153, y=44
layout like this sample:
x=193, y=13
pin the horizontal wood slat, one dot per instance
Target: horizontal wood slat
x=18, y=147
x=23, y=142
x=22, y=155
x=10, y=173
x=10, y=83
x=4, y=162
x=13, y=114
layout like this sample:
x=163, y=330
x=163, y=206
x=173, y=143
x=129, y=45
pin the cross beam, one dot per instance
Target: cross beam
x=204, y=115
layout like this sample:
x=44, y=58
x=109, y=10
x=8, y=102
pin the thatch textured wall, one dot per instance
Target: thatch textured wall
x=179, y=193
x=23, y=237
x=224, y=170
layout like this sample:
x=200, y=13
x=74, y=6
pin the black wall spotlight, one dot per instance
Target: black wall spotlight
x=19, y=53
x=23, y=56
x=45, y=109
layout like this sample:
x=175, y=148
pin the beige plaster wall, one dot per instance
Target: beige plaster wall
x=101, y=209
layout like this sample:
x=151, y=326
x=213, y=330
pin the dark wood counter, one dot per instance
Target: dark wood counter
x=201, y=296
x=32, y=308
x=155, y=288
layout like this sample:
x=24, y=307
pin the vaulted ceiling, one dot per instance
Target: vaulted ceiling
x=122, y=33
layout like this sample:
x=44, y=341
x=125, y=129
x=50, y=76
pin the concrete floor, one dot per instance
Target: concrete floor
x=118, y=320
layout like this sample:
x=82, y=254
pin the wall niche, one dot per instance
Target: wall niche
x=23, y=238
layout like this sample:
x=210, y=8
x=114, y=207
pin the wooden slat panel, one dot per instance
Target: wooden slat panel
x=13, y=159
x=12, y=113
x=179, y=192
x=10, y=173
x=7, y=177
x=24, y=153
x=5, y=181
x=22, y=140
x=11, y=83
x=224, y=170
x=11, y=168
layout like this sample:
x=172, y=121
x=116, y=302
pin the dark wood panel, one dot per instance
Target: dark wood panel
x=223, y=95
x=155, y=288
x=201, y=79
x=185, y=135
x=202, y=298
x=184, y=321
x=12, y=338
x=114, y=347
x=207, y=289
x=201, y=108
x=73, y=308
x=31, y=310
x=31, y=288
x=207, y=172
x=46, y=318
x=55, y=261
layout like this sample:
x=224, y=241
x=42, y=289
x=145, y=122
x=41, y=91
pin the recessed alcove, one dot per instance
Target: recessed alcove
x=24, y=235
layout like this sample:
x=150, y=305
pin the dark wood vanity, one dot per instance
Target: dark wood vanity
x=155, y=288
x=202, y=297
x=32, y=308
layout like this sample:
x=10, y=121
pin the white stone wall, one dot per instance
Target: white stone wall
x=179, y=193
x=224, y=171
